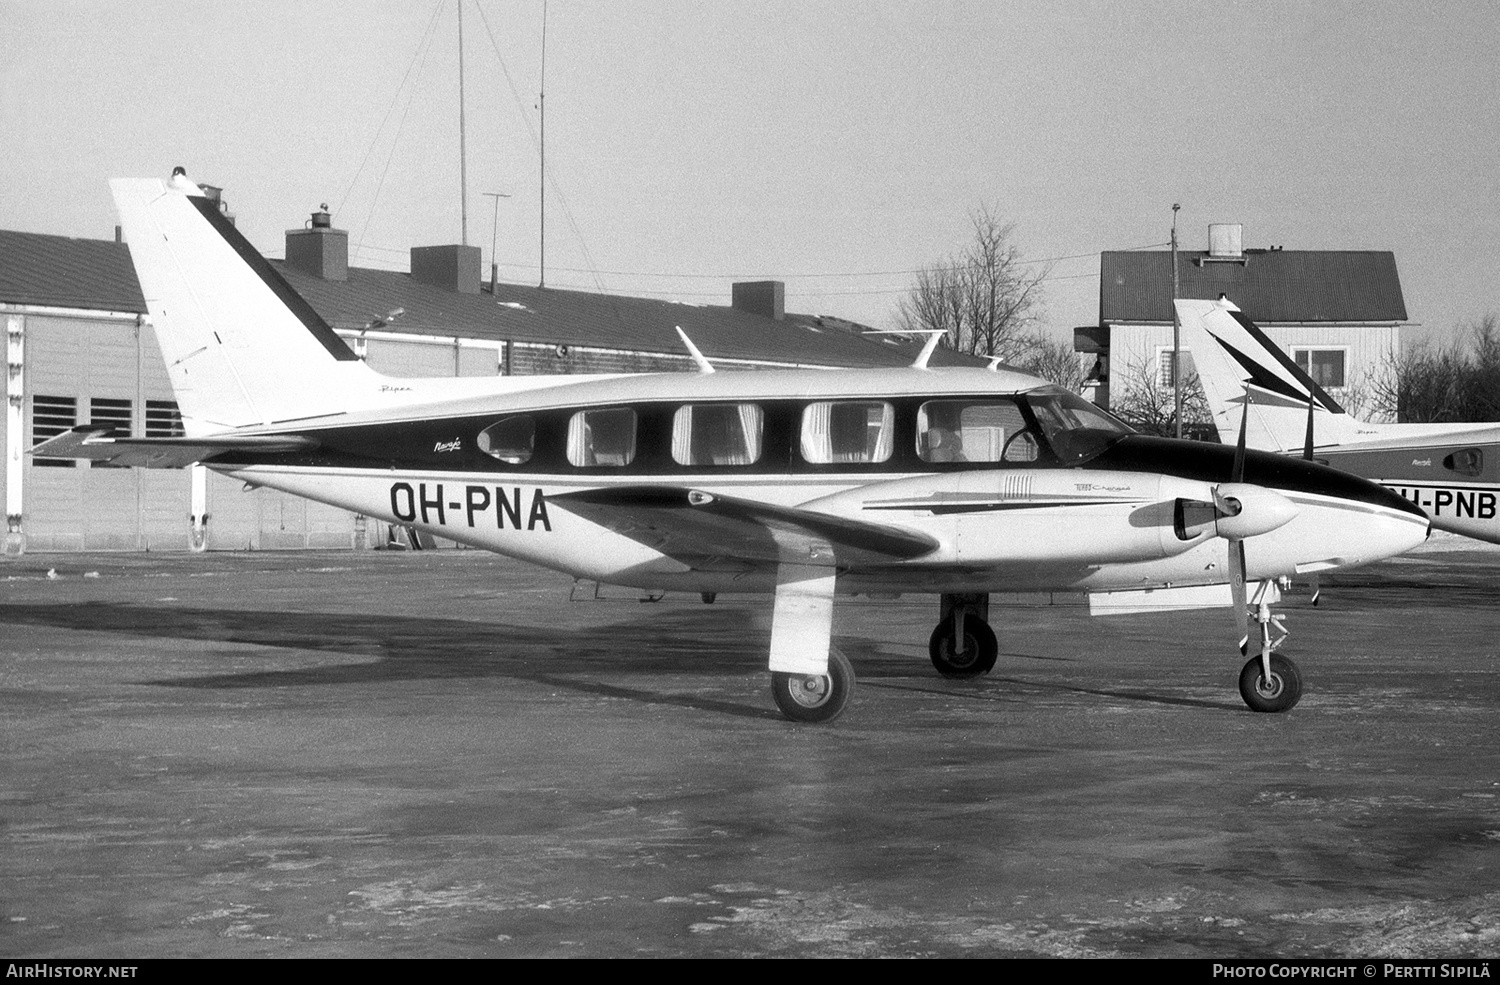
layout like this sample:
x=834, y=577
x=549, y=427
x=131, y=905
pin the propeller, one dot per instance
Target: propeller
x=1237, y=544
x=1307, y=445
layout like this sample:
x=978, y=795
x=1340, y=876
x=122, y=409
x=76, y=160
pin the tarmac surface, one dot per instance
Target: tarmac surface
x=437, y=754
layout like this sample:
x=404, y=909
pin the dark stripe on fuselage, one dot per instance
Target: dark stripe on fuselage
x=1215, y=463
x=305, y=314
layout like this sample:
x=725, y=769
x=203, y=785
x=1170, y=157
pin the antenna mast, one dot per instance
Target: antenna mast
x=542, y=106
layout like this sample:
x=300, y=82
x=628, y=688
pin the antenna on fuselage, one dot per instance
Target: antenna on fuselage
x=934, y=336
x=704, y=366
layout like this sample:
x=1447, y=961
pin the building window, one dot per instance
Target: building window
x=108, y=412
x=602, y=437
x=849, y=432
x=1165, y=374
x=1325, y=366
x=717, y=434
x=163, y=419
x=51, y=416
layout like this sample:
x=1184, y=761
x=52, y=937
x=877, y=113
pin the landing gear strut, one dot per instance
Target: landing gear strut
x=962, y=644
x=1269, y=681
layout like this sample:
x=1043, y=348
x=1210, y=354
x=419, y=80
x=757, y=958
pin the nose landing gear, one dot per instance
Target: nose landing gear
x=962, y=644
x=1269, y=681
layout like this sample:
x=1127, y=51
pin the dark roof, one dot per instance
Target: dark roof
x=1270, y=286
x=612, y=321
x=57, y=271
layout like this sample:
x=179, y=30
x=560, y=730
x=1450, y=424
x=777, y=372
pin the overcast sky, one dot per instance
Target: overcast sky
x=835, y=145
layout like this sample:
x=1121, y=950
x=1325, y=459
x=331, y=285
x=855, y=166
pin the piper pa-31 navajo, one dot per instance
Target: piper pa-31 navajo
x=800, y=483
x=1452, y=471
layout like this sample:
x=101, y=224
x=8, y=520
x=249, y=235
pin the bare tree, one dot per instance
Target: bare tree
x=1140, y=398
x=1051, y=359
x=984, y=300
x=1444, y=384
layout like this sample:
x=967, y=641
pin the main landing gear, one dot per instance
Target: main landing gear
x=1269, y=681
x=813, y=698
x=962, y=643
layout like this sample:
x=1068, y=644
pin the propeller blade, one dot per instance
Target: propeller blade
x=1237, y=590
x=1307, y=446
x=1238, y=472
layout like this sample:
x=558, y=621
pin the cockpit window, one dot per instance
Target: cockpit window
x=602, y=437
x=511, y=439
x=1075, y=429
x=974, y=431
x=717, y=434
x=847, y=432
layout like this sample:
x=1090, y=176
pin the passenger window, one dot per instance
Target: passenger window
x=973, y=431
x=1470, y=461
x=717, y=434
x=602, y=437
x=512, y=440
x=847, y=432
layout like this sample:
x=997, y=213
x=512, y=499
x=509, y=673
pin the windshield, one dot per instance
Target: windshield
x=1075, y=428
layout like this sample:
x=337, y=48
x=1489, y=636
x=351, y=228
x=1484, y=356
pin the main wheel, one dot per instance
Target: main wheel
x=979, y=653
x=815, y=697
x=1279, y=692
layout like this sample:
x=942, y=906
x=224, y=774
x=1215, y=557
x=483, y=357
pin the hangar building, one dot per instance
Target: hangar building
x=80, y=349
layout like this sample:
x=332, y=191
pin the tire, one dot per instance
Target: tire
x=1280, y=693
x=815, y=698
x=980, y=649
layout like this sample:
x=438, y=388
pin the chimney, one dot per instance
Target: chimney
x=319, y=249
x=760, y=297
x=453, y=268
x=1224, y=240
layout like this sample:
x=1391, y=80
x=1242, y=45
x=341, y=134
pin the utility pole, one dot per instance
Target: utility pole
x=1176, y=328
x=463, y=154
x=494, y=232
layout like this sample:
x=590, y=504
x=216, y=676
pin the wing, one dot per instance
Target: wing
x=101, y=445
x=697, y=528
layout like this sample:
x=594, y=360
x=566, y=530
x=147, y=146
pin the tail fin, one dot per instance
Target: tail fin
x=1237, y=363
x=241, y=347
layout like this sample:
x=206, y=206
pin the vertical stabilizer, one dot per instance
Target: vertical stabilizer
x=241, y=347
x=1236, y=362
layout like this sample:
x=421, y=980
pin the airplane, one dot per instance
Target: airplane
x=800, y=483
x=1452, y=471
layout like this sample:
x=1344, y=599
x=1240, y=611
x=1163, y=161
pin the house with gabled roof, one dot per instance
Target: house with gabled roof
x=1337, y=313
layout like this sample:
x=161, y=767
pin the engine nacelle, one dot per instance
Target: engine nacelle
x=1243, y=510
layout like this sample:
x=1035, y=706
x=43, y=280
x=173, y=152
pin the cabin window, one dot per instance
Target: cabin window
x=512, y=440
x=51, y=416
x=1073, y=428
x=1325, y=366
x=1469, y=462
x=848, y=432
x=974, y=431
x=717, y=434
x=602, y=437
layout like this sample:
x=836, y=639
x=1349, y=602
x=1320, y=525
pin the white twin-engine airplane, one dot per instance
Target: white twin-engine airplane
x=1452, y=471
x=801, y=483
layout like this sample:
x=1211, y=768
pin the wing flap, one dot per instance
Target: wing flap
x=104, y=445
x=696, y=527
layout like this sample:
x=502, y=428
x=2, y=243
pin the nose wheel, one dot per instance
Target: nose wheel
x=1273, y=691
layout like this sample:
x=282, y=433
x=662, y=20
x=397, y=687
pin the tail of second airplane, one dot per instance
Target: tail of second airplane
x=241, y=347
x=1237, y=362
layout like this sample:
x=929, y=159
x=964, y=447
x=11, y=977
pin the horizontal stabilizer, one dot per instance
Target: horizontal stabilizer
x=115, y=448
x=693, y=526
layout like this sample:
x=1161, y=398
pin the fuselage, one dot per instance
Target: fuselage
x=1022, y=486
